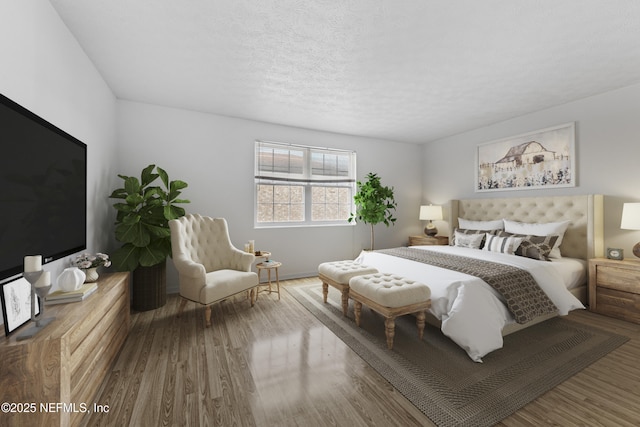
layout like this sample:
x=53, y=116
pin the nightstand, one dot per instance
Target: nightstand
x=614, y=288
x=428, y=240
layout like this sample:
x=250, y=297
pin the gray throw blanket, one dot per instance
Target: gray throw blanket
x=523, y=296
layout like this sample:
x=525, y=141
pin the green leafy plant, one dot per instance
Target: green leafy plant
x=374, y=203
x=142, y=222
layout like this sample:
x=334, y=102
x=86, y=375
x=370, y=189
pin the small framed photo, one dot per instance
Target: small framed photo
x=16, y=304
x=615, y=253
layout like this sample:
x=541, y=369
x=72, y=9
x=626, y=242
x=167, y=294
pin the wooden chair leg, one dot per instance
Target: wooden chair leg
x=183, y=302
x=207, y=316
x=254, y=294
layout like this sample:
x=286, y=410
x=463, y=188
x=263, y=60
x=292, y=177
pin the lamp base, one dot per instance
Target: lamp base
x=430, y=231
x=636, y=250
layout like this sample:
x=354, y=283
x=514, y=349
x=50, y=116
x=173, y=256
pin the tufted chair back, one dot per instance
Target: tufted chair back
x=205, y=241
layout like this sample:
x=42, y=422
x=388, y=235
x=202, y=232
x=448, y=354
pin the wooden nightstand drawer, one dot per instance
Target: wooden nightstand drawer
x=623, y=305
x=428, y=240
x=614, y=288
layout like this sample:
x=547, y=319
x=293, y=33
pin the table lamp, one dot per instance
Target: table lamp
x=631, y=221
x=430, y=213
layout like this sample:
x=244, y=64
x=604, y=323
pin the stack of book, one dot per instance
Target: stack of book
x=61, y=297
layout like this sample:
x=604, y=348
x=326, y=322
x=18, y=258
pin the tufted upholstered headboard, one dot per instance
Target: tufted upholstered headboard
x=583, y=239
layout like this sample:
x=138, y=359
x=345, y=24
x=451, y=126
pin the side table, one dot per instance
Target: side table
x=268, y=265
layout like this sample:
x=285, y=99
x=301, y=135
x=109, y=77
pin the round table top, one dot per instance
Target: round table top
x=269, y=264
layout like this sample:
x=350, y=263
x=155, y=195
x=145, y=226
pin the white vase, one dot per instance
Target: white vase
x=71, y=279
x=92, y=275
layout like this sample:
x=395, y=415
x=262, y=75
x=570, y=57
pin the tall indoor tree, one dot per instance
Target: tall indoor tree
x=374, y=203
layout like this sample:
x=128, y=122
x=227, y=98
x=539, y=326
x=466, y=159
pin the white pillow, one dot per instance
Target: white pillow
x=497, y=224
x=505, y=245
x=540, y=229
x=472, y=241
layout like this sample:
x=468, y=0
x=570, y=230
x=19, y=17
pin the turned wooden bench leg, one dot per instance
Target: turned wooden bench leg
x=390, y=330
x=420, y=321
x=345, y=301
x=357, y=309
x=325, y=291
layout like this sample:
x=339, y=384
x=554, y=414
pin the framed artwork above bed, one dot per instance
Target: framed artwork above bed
x=540, y=159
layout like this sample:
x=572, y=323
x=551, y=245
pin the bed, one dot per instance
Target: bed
x=466, y=308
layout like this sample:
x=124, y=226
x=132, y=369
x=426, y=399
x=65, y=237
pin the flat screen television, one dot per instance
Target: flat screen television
x=43, y=190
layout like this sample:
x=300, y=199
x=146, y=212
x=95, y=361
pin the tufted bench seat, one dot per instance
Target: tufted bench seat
x=338, y=274
x=391, y=296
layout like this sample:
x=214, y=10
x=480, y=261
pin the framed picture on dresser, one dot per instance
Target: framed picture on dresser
x=540, y=159
x=16, y=304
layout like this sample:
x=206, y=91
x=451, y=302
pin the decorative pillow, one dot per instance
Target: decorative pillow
x=467, y=231
x=505, y=245
x=535, y=247
x=540, y=229
x=468, y=240
x=481, y=225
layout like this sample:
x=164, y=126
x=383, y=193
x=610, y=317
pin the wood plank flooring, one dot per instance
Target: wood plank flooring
x=276, y=365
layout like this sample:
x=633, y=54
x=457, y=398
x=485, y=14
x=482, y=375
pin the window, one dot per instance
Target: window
x=299, y=185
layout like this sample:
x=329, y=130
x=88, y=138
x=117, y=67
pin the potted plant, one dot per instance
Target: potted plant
x=374, y=203
x=142, y=225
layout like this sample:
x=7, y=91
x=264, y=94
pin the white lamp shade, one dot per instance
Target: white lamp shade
x=431, y=212
x=630, y=216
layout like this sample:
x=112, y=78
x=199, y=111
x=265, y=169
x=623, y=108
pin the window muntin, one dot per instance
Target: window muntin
x=299, y=185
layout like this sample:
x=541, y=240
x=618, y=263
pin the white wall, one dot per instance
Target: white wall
x=215, y=156
x=45, y=70
x=607, y=155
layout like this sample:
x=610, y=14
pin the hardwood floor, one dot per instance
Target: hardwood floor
x=276, y=365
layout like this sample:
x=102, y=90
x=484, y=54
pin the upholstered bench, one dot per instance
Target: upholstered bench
x=338, y=274
x=391, y=296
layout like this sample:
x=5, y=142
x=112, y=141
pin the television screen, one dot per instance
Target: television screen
x=43, y=189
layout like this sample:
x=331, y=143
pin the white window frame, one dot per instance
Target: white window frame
x=307, y=179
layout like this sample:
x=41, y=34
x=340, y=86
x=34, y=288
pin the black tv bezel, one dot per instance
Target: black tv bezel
x=10, y=273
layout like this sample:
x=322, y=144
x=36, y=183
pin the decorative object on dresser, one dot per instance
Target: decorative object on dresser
x=631, y=221
x=68, y=361
x=40, y=281
x=71, y=279
x=614, y=288
x=428, y=240
x=430, y=213
x=541, y=159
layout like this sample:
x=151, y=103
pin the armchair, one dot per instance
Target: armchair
x=210, y=268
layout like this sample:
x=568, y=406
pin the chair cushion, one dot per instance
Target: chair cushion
x=224, y=283
x=342, y=271
x=390, y=290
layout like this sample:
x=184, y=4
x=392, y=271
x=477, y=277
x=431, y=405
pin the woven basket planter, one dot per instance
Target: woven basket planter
x=149, y=289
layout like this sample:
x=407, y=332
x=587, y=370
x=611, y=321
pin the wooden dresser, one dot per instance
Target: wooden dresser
x=428, y=240
x=63, y=366
x=614, y=288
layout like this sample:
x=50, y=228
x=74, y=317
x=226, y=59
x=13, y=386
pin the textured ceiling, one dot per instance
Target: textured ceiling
x=404, y=70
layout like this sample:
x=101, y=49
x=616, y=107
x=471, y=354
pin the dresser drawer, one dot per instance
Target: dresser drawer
x=614, y=288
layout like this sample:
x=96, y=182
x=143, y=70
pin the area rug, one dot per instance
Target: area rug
x=440, y=379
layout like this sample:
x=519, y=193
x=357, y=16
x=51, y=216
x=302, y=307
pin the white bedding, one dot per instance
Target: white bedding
x=470, y=310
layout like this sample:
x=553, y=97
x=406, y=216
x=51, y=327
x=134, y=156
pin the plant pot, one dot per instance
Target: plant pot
x=149, y=289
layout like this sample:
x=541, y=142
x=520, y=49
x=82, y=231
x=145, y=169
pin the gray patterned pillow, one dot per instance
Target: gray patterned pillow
x=535, y=247
x=470, y=231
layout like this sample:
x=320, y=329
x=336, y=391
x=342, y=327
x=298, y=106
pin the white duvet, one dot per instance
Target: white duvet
x=471, y=311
